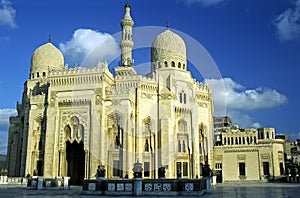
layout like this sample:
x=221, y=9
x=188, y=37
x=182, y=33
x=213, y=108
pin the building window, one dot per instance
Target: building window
x=166, y=64
x=254, y=140
x=37, y=75
x=218, y=166
x=281, y=168
x=146, y=146
x=267, y=135
x=200, y=148
x=44, y=74
x=243, y=140
x=228, y=141
x=116, y=170
x=183, y=146
x=173, y=64
x=179, y=146
x=179, y=65
x=224, y=141
x=262, y=135
x=266, y=168
x=232, y=141
x=184, y=98
x=242, y=170
x=180, y=97
x=159, y=65
x=146, y=169
x=183, y=67
x=185, y=169
x=236, y=140
x=240, y=140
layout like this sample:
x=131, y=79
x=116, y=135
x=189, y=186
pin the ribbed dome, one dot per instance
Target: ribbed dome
x=46, y=57
x=169, y=48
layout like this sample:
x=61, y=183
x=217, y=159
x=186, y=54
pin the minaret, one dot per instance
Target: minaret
x=126, y=43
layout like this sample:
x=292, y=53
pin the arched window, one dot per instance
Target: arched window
x=68, y=131
x=183, y=146
x=32, y=75
x=183, y=67
x=243, y=140
x=240, y=140
x=179, y=65
x=179, y=146
x=44, y=74
x=236, y=140
x=173, y=64
x=228, y=140
x=37, y=75
x=166, y=64
x=184, y=98
x=224, y=141
x=182, y=126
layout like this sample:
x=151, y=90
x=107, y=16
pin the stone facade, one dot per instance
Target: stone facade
x=71, y=120
x=248, y=155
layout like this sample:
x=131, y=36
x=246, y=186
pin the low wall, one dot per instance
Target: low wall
x=40, y=183
x=147, y=187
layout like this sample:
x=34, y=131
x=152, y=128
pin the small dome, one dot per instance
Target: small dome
x=169, y=48
x=46, y=57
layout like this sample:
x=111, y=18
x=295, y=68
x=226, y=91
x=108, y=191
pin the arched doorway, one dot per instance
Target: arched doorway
x=75, y=160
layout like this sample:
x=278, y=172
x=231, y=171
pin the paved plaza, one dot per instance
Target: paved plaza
x=230, y=190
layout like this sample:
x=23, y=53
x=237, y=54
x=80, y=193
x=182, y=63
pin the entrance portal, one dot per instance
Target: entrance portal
x=75, y=160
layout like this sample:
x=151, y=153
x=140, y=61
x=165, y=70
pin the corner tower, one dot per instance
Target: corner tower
x=126, y=43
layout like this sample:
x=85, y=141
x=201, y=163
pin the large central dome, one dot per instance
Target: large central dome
x=46, y=57
x=169, y=50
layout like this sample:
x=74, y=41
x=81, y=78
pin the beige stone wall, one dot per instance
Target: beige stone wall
x=254, y=155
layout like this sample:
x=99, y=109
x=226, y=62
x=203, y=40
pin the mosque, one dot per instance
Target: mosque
x=71, y=120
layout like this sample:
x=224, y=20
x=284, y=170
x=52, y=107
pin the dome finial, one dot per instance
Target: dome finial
x=49, y=38
x=167, y=25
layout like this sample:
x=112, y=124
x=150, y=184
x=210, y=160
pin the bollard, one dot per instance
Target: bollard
x=137, y=188
x=66, y=183
x=40, y=183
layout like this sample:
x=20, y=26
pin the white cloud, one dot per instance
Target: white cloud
x=7, y=14
x=237, y=97
x=288, y=23
x=102, y=45
x=243, y=120
x=203, y=2
x=236, y=101
x=4, y=118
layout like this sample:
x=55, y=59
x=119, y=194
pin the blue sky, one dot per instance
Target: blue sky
x=255, y=44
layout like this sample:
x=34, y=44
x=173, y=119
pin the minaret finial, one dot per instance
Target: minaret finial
x=127, y=4
x=49, y=38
